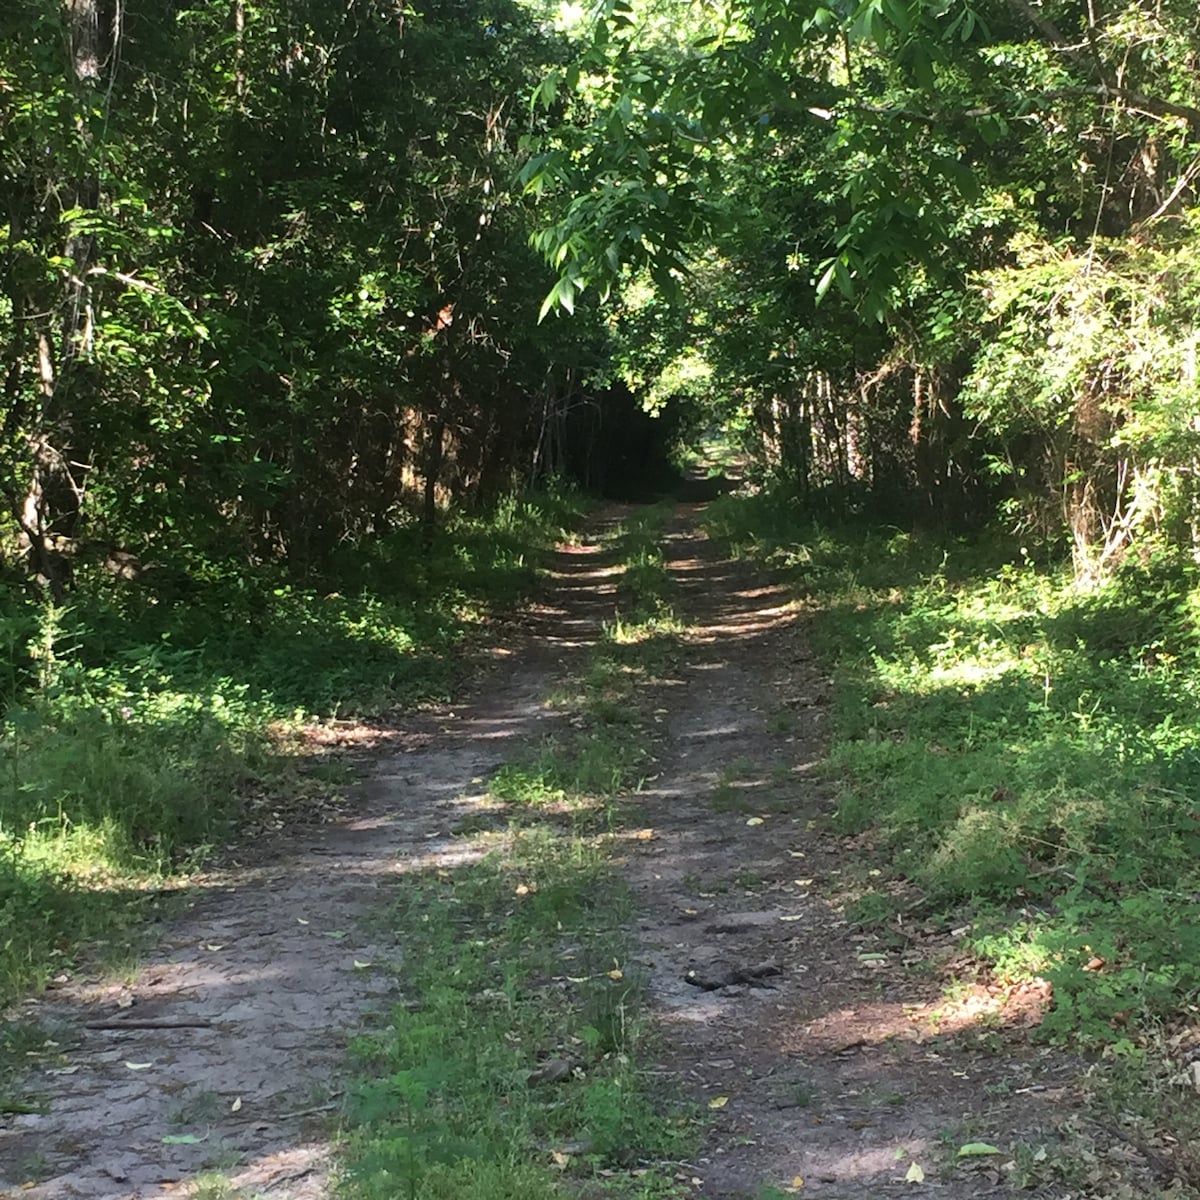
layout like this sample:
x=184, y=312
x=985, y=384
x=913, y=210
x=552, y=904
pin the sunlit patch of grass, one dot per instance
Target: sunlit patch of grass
x=633, y=633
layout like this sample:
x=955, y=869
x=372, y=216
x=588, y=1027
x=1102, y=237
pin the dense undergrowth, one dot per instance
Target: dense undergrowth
x=1020, y=746
x=138, y=717
x=512, y=1069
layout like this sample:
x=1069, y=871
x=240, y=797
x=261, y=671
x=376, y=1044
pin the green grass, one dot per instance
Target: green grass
x=1017, y=746
x=644, y=589
x=142, y=719
x=601, y=762
x=518, y=961
x=510, y=964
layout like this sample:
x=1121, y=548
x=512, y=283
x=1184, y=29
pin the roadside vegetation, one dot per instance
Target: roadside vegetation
x=1025, y=750
x=1019, y=757
x=142, y=727
x=515, y=1066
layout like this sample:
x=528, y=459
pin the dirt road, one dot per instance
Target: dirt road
x=828, y=1057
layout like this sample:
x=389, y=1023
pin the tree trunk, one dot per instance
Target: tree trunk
x=435, y=452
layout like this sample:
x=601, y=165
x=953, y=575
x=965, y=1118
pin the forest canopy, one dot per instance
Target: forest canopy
x=272, y=272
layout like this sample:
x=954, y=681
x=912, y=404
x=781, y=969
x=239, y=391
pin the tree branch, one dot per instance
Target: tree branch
x=1095, y=66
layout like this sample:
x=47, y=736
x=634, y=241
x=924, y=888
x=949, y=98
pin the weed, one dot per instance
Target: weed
x=738, y=787
x=781, y=720
x=570, y=772
x=216, y=1185
x=452, y=1086
x=872, y=908
x=31, y=1168
x=200, y=1107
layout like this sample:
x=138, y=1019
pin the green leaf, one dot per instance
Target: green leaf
x=976, y=1150
x=826, y=280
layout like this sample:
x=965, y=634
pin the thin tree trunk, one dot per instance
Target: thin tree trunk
x=435, y=452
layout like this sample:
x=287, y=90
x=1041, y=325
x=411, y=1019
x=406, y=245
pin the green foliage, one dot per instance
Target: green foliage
x=1018, y=744
x=265, y=295
x=750, y=187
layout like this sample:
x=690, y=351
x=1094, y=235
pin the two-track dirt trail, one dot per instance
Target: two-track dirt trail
x=812, y=1047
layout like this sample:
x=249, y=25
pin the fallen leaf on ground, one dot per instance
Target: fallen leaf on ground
x=139, y=1066
x=182, y=1139
x=362, y=966
x=236, y=1106
x=755, y=821
x=915, y=1174
x=718, y=1102
x=976, y=1149
x=644, y=835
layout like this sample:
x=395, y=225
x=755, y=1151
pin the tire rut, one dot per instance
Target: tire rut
x=817, y=1060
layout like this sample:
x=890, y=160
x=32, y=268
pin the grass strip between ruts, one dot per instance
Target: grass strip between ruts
x=513, y=1067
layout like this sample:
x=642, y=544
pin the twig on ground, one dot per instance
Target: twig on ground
x=1163, y=1168
x=195, y=1023
x=328, y=1106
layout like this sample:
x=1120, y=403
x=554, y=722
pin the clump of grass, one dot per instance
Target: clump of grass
x=572, y=771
